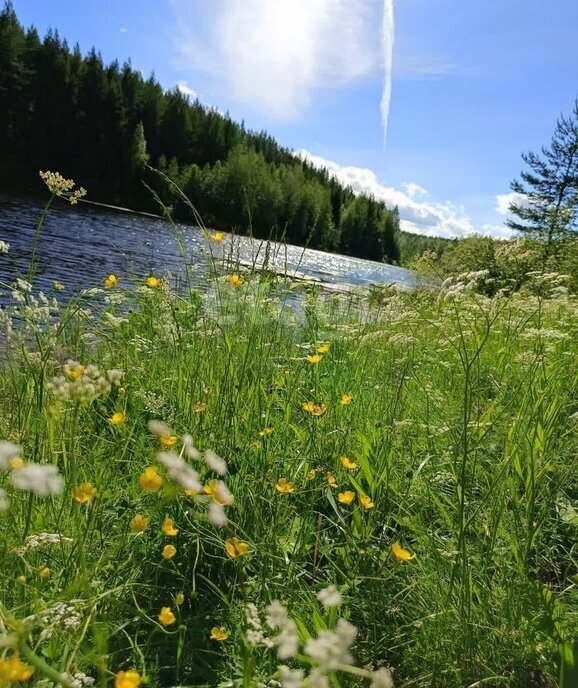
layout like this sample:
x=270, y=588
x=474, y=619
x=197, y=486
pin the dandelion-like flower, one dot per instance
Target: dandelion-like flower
x=366, y=502
x=150, y=480
x=348, y=464
x=73, y=369
x=330, y=479
x=314, y=409
x=218, y=237
x=219, y=633
x=401, y=553
x=152, y=282
x=323, y=348
x=236, y=281
x=218, y=492
x=266, y=432
x=138, y=524
x=42, y=480
x=235, y=548
x=346, y=497
x=118, y=418
x=13, y=670
x=84, y=493
x=169, y=551
x=168, y=527
x=166, y=617
x=284, y=486
x=127, y=679
x=110, y=281
x=200, y=407
x=315, y=358
x=346, y=399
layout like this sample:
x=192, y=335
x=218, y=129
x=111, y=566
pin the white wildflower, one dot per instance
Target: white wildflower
x=180, y=471
x=331, y=648
x=8, y=452
x=42, y=480
x=41, y=539
x=276, y=615
x=23, y=285
x=330, y=597
x=291, y=678
x=4, y=247
x=217, y=515
x=317, y=679
x=381, y=678
x=287, y=640
x=190, y=451
x=159, y=428
x=215, y=463
x=58, y=286
x=114, y=376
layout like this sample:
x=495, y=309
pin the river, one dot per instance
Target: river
x=80, y=245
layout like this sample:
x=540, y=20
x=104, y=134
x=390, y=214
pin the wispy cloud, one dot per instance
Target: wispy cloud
x=123, y=30
x=425, y=216
x=276, y=55
x=186, y=90
x=504, y=201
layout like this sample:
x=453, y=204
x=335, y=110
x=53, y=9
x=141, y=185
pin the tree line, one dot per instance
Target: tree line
x=106, y=125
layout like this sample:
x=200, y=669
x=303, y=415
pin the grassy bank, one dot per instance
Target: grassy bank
x=416, y=450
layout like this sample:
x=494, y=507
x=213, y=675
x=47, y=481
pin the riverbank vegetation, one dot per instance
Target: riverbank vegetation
x=263, y=483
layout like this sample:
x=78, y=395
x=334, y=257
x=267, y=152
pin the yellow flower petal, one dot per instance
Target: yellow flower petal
x=219, y=633
x=166, y=617
x=401, y=553
x=346, y=497
x=169, y=527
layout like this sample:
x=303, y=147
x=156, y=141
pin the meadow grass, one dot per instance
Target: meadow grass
x=414, y=449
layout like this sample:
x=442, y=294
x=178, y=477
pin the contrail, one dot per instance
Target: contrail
x=388, y=39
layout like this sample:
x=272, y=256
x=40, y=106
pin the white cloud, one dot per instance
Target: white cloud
x=186, y=90
x=504, y=201
x=275, y=54
x=431, y=218
x=123, y=30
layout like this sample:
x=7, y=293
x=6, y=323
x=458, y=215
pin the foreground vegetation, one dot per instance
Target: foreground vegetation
x=244, y=486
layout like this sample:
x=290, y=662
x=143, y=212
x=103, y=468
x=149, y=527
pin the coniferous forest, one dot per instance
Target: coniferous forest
x=107, y=125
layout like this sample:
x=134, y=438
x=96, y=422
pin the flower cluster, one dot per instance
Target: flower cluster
x=83, y=383
x=64, y=188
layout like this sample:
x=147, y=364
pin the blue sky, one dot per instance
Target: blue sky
x=473, y=85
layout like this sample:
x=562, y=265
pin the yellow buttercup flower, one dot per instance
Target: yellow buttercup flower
x=169, y=527
x=401, y=553
x=168, y=440
x=110, y=281
x=315, y=358
x=21, y=580
x=207, y=390
x=84, y=493
x=218, y=237
x=266, y=432
x=166, y=617
x=150, y=480
x=169, y=551
x=348, y=464
x=121, y=391
x=330, y=479
x=200, y=407
x=219, y=633
x=13, y=670
x=138, y=524
x=45, y=573
x=16, y=463
x=236, y=280
x=366, y=502
x=311, y=473
x=313, y=408
x=346, y=497
x=284, y=486
x=152, y=282
x=346, y=399
x=213, y=489
x=235, y=548
x=191, y=491
x=127, y=679
x=180, y=598
x=74, y=371
x=118, y=418
x=322, y=348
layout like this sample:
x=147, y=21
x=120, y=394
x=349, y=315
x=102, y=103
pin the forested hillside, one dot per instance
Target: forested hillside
x=102, y=124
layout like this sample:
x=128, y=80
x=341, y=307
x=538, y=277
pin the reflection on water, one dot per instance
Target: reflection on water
x=79, y=245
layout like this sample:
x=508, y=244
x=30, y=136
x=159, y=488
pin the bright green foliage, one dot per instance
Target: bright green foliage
x=461, y=430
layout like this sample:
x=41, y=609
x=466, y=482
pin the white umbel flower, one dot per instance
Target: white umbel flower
x=290, y=678
x=179, y=471
x=4, y=247
x=331, y=648
x=330, y=597
x=42, y=480
x=8, y=451
x=381, y=678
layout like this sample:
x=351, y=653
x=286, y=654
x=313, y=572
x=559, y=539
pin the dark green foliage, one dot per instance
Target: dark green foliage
x=550, y=185
x=102, y=125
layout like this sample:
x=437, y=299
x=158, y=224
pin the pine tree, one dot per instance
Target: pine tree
x=550, y=187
